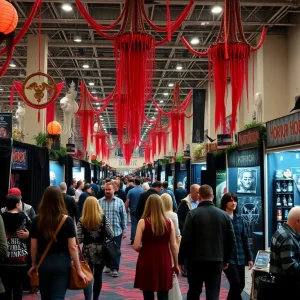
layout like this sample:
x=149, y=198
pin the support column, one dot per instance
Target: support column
x=31, y=125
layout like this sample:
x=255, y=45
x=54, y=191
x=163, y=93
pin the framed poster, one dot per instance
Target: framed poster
x=221, y=186
x=5, y=125
x=19, y=159
x=56, y=173
x=246, y=180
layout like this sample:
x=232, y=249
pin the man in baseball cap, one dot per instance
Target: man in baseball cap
x=28, y=209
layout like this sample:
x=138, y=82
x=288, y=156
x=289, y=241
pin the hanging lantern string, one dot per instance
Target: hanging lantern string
x=39, y=35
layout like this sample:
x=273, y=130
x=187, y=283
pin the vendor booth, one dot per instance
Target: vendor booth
x=196, y=170
x=245, y=178
x=283, y=169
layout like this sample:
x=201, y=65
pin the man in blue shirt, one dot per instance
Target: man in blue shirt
x=132, y=200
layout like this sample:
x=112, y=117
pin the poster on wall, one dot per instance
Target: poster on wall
x=78, y=173
x=170, y=182
x=56, y=173
x=5, y=125
x=163, y=176
x=246, y=180
x=19, y=159
x=221, y=186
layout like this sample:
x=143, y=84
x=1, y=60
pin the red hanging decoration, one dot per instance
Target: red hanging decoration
x=229, y=56
x=102, y=149
x=134, y=51
x=177, y=116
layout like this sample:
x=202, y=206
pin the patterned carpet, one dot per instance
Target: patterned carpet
x=122, y=287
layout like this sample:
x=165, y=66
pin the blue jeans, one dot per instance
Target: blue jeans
x=115, y=263
x=54, y=274
x=95, y=287
x=134, y=222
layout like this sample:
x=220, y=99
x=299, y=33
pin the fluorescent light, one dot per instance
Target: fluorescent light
x=85, y=65
x=216, y=9
x=77, y=39
x=66, y=6
x=156, y=109
x=161, y=101
x=195, y=41
x=93, y=92
x=91, y=83
x=12, y=64
x=179, y=67
x=171, y=84
x=166, y=94
x=1, y=89
x=204, y=23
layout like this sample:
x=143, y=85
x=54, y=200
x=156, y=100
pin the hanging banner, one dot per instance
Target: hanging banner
x=5, y=125
x=221, y=188
x=199, y=96
x=19, y=159
x=248, y=139
x=245, y=158
x=284, y=131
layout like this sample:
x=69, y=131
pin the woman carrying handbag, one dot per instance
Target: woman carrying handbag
x=92, y=230
x=52, y=227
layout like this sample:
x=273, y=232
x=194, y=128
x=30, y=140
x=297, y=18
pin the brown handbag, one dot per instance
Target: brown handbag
x=75, y=282
x=34, y=277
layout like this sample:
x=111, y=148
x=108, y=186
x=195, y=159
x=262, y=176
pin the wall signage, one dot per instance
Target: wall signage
x=76, y=163
x=248, y=139
x=245, y=158
x=19, y=159
x=284, y=131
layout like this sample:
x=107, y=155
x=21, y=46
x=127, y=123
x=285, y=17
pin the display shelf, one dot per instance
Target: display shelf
x=284, y=193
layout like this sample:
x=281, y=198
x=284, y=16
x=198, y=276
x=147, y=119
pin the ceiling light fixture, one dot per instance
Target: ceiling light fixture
x=66, y=6
x=161, y=101
x=179, y=67
x=77, y=39
x=94, y=92
x=195, y=41
x=216, y=9
x=85, y=65
x=1, y=89
x=171, y=84
x=12, y=64
x=166, y=94
x=91, y=83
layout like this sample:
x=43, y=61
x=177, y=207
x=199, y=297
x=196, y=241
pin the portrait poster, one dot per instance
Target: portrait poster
x=246, y=180
x=56, y=173
x=221, y=186
x=5, y=125
x=19, y=159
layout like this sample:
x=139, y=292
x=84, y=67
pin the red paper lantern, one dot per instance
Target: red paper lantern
x=54, y=128
x=93, y=157
x=9, y=17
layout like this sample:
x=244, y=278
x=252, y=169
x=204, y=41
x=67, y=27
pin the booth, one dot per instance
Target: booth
x=196, y=170
x=283, y=169
x=245, y=178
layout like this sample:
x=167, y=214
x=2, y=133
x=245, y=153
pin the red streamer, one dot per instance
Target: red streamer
x=50, y=113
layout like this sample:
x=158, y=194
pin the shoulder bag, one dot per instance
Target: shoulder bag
x=110, y=247
x=75, y=282
x=34, y=277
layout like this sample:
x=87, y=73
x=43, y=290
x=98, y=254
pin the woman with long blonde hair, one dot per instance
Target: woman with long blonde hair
x=92, y=230
x=155, y=232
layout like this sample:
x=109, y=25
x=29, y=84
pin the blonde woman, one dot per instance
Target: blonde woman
x=92, y=229
x=155, y=232
x=168, y=209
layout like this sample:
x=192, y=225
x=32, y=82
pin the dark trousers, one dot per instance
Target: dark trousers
x=134, y=222
x=162, y=295
x=115, y=263
x=95, y=287
x=12, y=279
x=210, y=273
x=236, y=278
x=54, y=274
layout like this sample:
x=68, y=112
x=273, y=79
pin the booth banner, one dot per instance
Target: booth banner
x=245, y=158
x=199, y=96
x=224, y=141
x=221, y=187
x=71, y=148
x=19, y=159
x=182, y=166
x=283, y=131
x=248, y=139
x=56, y=172
x=76, y=163
x=5, y=125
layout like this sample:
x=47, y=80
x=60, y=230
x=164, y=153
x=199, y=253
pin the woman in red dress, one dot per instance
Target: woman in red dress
x=154, y=234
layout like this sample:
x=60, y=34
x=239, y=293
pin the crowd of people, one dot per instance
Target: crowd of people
x=173, y=232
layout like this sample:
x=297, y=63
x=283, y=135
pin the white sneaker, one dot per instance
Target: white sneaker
x=114, y=273
x=106, y=270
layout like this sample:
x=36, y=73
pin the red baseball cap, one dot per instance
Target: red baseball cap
x=14, y=191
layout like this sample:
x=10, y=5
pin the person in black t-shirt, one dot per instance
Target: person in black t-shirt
x=54, y=272
x=69, y=202
x=72, y=188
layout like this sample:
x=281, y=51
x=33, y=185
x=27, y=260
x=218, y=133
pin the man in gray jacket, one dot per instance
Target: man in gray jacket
x=207, y=242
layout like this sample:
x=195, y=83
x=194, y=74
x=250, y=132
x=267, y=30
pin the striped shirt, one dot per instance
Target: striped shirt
x=285, y=250
x=115, y=212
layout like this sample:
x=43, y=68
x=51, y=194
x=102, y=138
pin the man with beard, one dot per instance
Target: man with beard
x=86, y=192
x=114, y=209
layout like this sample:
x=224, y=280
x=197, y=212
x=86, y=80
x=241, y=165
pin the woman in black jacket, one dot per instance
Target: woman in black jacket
x=242, y=254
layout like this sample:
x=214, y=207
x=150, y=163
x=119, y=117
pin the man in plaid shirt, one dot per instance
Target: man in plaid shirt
x=285, y=257
x=114, y=209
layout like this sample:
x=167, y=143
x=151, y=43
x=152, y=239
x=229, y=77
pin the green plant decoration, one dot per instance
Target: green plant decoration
x=262, y=129
x=63, y=151
x=40, y=139
x=179, y=159
x=97, y=162
x=164, y=161
x=198, y=152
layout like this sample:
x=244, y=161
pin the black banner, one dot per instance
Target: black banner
x=242, y=159
x=199, y=96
